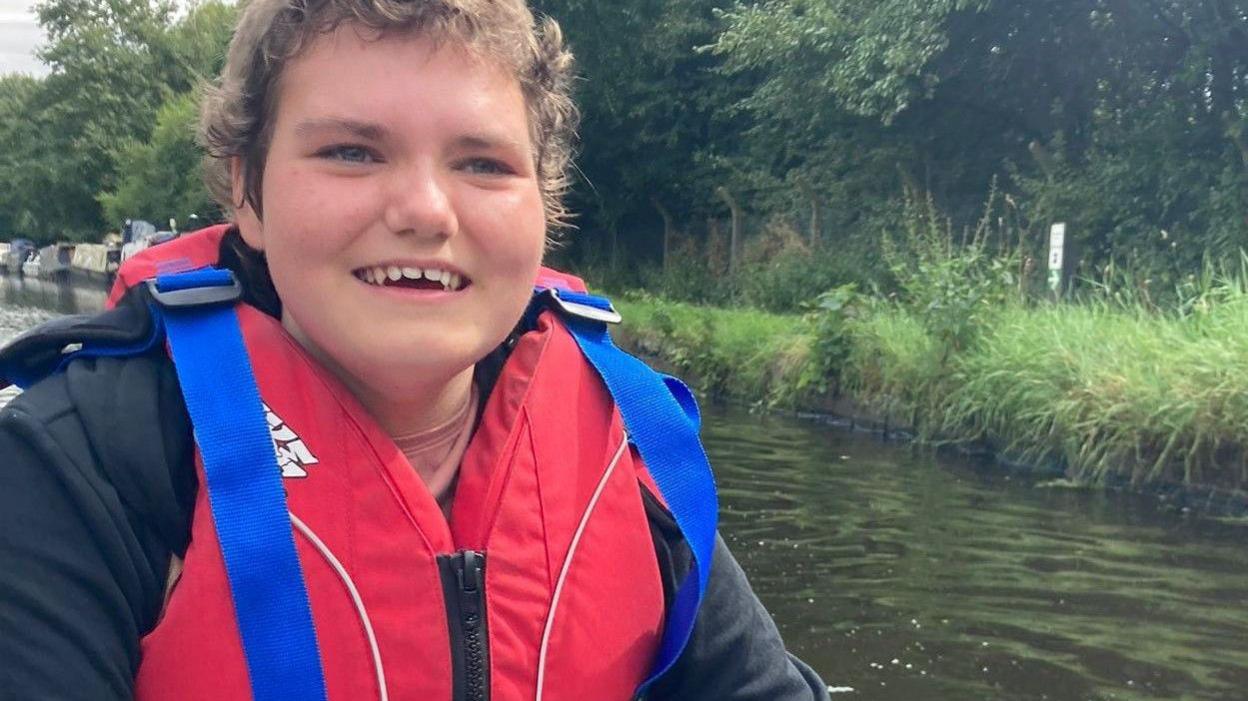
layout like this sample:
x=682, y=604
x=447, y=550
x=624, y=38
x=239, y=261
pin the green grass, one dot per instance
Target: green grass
x=1113, y=391
x=894, y=363
x=743, y=353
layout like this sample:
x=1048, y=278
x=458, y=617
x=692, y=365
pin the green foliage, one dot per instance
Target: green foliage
x=831, y=339
x=105, y=86
x=113, y=64
x=873, y=59
x=652, y=110
x=1157, y=193
x=895, y=363
x=741, y=353
x=161, y=178
x=197, y=42
x=779, y=271
x=954, y=288
x=1124, y=120
x=17, y=169
x=687, y=279
x=1113, y=392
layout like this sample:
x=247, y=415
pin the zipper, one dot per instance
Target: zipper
x=463, y=588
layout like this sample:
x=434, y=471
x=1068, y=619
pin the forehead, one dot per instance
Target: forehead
x=396, y=55
x=356, y=68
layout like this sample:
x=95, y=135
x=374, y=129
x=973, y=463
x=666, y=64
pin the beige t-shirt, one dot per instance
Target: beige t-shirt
x=435, y=453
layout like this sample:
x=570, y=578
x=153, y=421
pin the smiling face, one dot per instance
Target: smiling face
x=402, y=218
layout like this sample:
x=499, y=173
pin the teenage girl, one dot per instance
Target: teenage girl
x=461, y=512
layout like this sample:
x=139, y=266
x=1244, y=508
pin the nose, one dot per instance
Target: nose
x=419, y=204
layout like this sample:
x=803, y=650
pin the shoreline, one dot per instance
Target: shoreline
x=886, y=416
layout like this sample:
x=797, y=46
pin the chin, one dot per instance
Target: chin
x=415, y=365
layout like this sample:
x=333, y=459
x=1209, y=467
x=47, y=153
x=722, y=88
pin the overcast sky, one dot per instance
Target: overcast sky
x=18, y=37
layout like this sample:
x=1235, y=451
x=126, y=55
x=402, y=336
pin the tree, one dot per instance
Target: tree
x=104, y=88
x=653, y=112
x=113, y=64
x=18, y=133
x=1124, y=118
x=160, y=178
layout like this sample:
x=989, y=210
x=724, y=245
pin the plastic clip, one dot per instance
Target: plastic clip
x=572, y=304
x=227, y=291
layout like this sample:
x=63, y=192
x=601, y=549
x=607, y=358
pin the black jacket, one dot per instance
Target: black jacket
x=97, y=488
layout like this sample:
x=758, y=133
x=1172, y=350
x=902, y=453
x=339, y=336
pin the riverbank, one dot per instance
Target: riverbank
x=1108, y=395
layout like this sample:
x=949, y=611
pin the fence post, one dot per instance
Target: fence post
x=712, y=244
x=735, y=238
x=668, y=228
x=809, y=192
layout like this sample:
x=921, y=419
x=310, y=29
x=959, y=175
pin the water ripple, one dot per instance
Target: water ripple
x=905, y=577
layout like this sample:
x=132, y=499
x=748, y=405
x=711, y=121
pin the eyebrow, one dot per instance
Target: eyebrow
x=363, y=130
x=487, y=141
x=375, y=132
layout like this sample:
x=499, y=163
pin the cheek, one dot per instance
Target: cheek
x=518, y=237
x=304, y=222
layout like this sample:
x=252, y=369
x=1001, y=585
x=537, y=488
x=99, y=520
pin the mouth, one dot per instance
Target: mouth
x=414, y=278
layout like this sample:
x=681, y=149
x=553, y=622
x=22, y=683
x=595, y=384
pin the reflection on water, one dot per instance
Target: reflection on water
x=911, y=580
x=25, y=302
x=907, y=579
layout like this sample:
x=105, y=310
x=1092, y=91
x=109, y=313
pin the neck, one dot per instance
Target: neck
x=422, y=407
x=413, y=408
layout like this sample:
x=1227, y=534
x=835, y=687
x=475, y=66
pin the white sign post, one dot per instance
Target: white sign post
x=1057, y=244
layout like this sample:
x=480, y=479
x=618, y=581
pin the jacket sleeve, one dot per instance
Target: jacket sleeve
x=735, y=652
x=83, y=563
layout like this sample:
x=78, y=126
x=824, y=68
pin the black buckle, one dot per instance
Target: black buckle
x=584, y=311
x=209, y=295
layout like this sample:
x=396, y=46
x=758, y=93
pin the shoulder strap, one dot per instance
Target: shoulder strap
x=662, y=421
x=48, y=348
x=248, y=502
x=244, y=484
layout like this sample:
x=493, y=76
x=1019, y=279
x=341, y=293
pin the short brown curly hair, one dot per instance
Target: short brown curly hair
x=236, y=114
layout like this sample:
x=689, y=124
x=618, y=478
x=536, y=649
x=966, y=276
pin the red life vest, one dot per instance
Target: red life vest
x=548, y=493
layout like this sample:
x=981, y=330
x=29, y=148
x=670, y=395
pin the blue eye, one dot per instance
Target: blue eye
x=485, y=166
x=348, y=154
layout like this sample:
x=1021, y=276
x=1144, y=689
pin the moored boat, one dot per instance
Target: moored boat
x=18, y=251
x=55, y=260
x=94, y=261
x=31, y=267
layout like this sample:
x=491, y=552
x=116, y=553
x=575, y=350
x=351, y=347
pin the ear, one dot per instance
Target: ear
x=249, y=225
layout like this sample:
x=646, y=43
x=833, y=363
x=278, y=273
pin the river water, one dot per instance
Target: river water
x=903, y=577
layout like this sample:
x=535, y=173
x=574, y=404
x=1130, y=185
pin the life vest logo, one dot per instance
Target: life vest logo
x=293, y=457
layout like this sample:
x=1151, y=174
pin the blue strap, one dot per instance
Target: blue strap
x=98, y=350
x=246, y=495
x=203, y=277
x=662, y=420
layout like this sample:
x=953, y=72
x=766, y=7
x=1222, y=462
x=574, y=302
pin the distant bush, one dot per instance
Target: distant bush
x=953, y=287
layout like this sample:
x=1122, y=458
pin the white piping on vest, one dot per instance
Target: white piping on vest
x=355, y=598
x=567, y=564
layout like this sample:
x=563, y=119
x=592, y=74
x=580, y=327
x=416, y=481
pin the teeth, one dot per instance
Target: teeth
x=379, y=275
